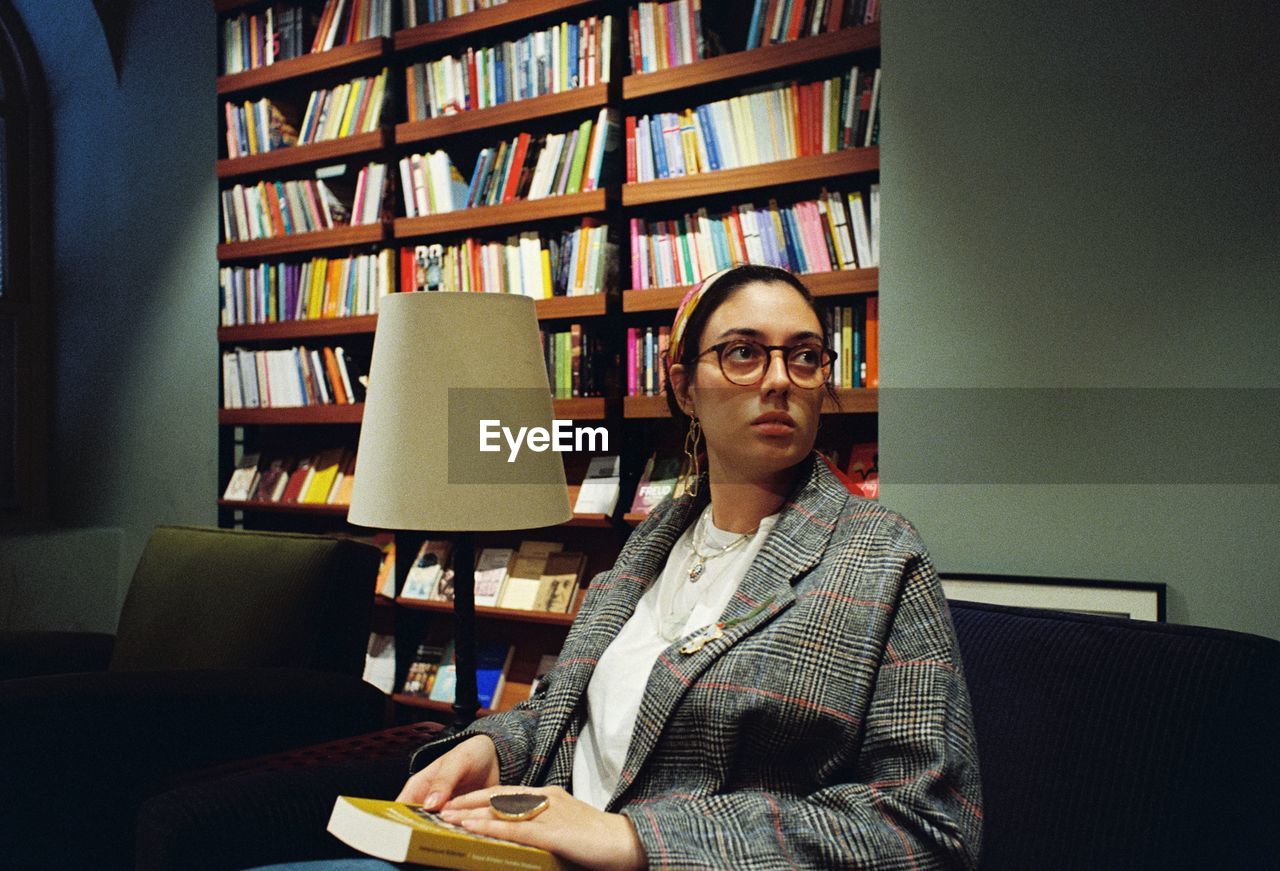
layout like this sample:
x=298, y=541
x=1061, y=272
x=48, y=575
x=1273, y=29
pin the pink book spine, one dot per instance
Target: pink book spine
x=636, y=274
x=817, y=245
x=632, y=383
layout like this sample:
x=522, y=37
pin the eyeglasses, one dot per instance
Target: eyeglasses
x=743, y=362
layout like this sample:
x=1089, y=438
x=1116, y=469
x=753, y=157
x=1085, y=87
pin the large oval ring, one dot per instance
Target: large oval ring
x=517, y=806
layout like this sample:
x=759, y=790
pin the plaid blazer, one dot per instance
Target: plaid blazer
x=831, y=729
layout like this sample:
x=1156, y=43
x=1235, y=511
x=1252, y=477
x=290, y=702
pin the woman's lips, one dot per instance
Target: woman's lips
x=774, y=423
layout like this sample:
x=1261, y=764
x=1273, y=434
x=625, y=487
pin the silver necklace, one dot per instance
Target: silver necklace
x=699, y=558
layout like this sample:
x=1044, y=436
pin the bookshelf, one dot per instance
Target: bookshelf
x=635, y=422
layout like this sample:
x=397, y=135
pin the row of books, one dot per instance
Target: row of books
x=536, y=576
x=433, y=672
x=854, y=333
x=774, y=21
x=550, y=61
x=577, y=363
x=270, y=209
x=646, y=346
x=778, y=123
x=346, y=21
x=279, y=208
x=350, y=108
x=291, y=378
x=522, y=169
x=256, y=127
x=322, y=478
x=579, y=262
x=278, y=33
x=320, y=288
x=830, y=232
x=665, y=35
x=415, y=12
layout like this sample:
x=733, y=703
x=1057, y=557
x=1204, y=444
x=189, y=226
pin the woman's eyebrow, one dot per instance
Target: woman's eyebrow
x=751, y=333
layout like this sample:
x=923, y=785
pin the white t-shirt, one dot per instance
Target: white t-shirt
x=619, y=680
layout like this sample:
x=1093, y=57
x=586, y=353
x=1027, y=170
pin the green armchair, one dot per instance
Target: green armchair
x=230, y=644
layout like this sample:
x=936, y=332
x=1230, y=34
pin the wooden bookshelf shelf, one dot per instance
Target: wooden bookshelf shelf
x=520, y=212
x=758, y=60
x=298, y=329
x=633, y=520
x=321, y=240
x=559, y=307
x=304, y=65
x=429, y=704
x=481, y=20
x=817, y=167
x=517, y=112
x=221, y=6
x=836, y=283
x=491, y=613
x=589, y=521
x=852, y=401
x=298, y=155
x=310, y=414
x=581, y=408
x=286, y=507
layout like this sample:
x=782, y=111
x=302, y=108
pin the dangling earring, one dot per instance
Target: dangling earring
x=693, y=450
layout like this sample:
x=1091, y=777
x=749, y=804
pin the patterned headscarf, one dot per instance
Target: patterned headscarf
x=685, y=311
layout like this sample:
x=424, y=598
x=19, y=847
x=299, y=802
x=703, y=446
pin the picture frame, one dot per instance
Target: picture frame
x=1134, y=600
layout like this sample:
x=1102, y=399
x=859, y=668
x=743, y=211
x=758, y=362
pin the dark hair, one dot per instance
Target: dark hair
x=721, y=290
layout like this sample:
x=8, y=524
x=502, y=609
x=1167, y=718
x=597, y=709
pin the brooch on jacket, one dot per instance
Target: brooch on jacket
x=715, y=631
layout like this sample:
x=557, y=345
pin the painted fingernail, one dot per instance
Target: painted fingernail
x=432, y=800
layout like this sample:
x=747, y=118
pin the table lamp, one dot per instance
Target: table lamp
x=446, y=369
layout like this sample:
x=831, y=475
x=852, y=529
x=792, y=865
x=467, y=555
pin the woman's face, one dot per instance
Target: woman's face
x=753, y=432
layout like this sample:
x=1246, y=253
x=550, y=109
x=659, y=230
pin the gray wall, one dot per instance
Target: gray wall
x=1083, y=195
x=135, y=286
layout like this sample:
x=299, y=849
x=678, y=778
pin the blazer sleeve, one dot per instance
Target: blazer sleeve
x=912, y=799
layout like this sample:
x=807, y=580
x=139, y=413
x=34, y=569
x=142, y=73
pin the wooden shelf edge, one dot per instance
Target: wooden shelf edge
x=519, y=212
x=551, y=618
x=304, y=65
x=743, y=63
x=577, y=99
x=481, y=20
x=300, y=329
x=645, y=406
x=838, y=282
x=310, y=414
x=322, y=509
x=581, y=408
x=815, y=167
x=298, y=155
x=559, y=307
x=320, y=240
x=854, y=400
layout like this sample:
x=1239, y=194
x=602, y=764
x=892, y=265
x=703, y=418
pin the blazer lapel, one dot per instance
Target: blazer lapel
x=793, y=547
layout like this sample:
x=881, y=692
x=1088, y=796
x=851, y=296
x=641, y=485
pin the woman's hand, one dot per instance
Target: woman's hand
x=570, y=828
x=471, y=765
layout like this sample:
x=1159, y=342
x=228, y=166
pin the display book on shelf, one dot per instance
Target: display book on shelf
x=665, y=90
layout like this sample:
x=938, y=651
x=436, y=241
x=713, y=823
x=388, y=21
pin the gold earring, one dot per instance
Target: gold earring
x=693, y=450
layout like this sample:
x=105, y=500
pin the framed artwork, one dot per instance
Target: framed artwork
x=1135, y=600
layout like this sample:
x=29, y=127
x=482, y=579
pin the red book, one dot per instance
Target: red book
x=800, y=101
x=473, y=82
x=633, y=34
x=517, y=164
x=631, y=148
x=736, y=223
x=835, y=15
x=873, y=341
x=273, y=204
x=793, y=26
x=336, y=388
x=406, y=270
x=296, y=479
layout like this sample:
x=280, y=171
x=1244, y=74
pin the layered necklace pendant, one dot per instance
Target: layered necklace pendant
x=696, y=570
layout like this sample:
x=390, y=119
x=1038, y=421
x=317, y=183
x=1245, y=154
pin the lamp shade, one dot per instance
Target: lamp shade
x=446, y=368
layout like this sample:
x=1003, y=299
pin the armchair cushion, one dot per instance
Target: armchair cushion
x=28, y=654
x=222, y=598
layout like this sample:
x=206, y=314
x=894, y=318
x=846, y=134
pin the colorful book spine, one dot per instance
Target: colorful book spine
x=290, y=378
x=276, y=292
x=665, y=35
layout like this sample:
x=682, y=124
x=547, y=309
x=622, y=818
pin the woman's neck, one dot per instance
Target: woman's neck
x=740, y=505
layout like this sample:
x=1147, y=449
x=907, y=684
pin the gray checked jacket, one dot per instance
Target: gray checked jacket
x=829, y=729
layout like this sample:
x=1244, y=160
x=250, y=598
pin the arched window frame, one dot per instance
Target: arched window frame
x=25, y=309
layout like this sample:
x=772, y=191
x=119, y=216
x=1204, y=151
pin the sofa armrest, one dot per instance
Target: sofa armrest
x=28, y=654
x=111, y=739
x=276, y=815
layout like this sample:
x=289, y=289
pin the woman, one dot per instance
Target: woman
x=768, y=676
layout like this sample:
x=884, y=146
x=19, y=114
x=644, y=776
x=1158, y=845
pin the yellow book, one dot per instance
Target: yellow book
x=742, y=127
x=353, y=104
x=546, y=274
x=400, y=832
x=325, y=472
x=337, y=103
x=785, y=101
x=373, y=113
x=692, y=165
x=315, y=293
x=251, y=125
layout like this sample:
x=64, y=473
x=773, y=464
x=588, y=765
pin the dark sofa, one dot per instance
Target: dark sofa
x=1106, y=744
